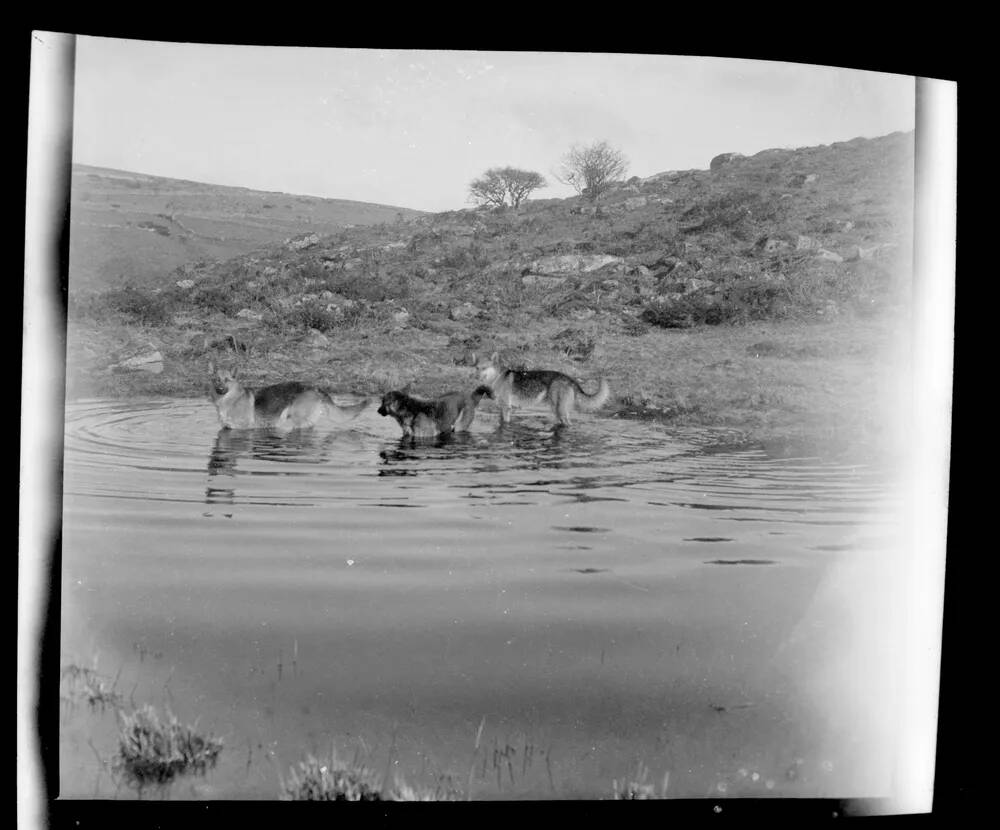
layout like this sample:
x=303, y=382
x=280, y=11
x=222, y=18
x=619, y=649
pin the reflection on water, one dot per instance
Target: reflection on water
x=560, y=587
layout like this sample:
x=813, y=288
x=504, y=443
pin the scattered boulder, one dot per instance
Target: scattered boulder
x=317, y=339
x=401, y=317
x=870, y=253
x=247, y=314
x=805, y=243
x=538, y=281
x=692, y=284
x=185, y=284
x=465, y=311
x=573, y=263
x=302, y=242
x=723, y=159
x=828, y=256
x=636, y=202
x=800, y=179
x=656, y=259
x=772, y=244
x=146, y=361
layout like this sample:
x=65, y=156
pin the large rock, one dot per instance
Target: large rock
x=573, y=263
x=636, y=202
x=302, y=242
x=723, y=159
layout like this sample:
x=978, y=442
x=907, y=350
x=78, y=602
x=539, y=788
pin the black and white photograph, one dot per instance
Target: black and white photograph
x=465, y=425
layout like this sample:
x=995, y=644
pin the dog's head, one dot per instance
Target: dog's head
x=223, y=380
x=487, y=367
x=391, y=403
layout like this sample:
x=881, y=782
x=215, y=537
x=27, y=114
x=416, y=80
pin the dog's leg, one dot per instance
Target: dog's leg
x=466, y=416
x=564, y=405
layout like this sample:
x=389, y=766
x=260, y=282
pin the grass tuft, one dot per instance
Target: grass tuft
x=332, y=780
x=155, y=752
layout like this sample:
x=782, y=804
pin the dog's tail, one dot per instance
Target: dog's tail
x=588, y=403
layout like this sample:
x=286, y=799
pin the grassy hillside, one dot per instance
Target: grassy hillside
x=133, y=228
x=763, y=293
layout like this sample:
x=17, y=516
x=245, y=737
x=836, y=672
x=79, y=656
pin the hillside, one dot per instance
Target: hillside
x=133, y=228
x=760, y=293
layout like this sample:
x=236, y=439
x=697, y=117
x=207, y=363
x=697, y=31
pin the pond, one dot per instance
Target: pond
x=518, y=612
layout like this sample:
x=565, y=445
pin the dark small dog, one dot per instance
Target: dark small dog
x=420, y=418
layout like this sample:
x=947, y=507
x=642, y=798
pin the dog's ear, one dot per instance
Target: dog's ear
x=472, y=359
x=235, y=373
x=211, y=367
x=494, y=358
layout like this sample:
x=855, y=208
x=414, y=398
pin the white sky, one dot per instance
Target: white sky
x=412, y=128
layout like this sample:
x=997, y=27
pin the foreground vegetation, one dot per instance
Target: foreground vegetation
x=765, y=294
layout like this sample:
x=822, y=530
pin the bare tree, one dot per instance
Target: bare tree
x=592, y=168
x=500, y=186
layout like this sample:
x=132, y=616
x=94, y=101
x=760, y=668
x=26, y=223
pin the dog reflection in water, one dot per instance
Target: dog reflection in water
x=420, y=418
x=282, y=406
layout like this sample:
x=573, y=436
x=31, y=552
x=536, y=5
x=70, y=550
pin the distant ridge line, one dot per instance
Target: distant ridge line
x=117, y=173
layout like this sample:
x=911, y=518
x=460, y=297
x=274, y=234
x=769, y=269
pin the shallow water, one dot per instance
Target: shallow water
x=534, y=613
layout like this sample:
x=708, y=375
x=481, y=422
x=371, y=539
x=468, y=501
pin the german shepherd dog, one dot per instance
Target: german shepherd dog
x=516, y=387
x=420, y=418
x=283, y=406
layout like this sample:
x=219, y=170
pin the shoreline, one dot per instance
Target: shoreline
x=827, y=388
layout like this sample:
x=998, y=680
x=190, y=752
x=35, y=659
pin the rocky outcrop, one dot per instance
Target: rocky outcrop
x=723, y=159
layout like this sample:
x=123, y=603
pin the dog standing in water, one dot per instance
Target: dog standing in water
x=419, y=418
x=282, y=406
x=523, y=387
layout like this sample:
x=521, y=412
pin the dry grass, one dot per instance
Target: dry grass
x=154, y=752
x=335, y=780
x=87, y=685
